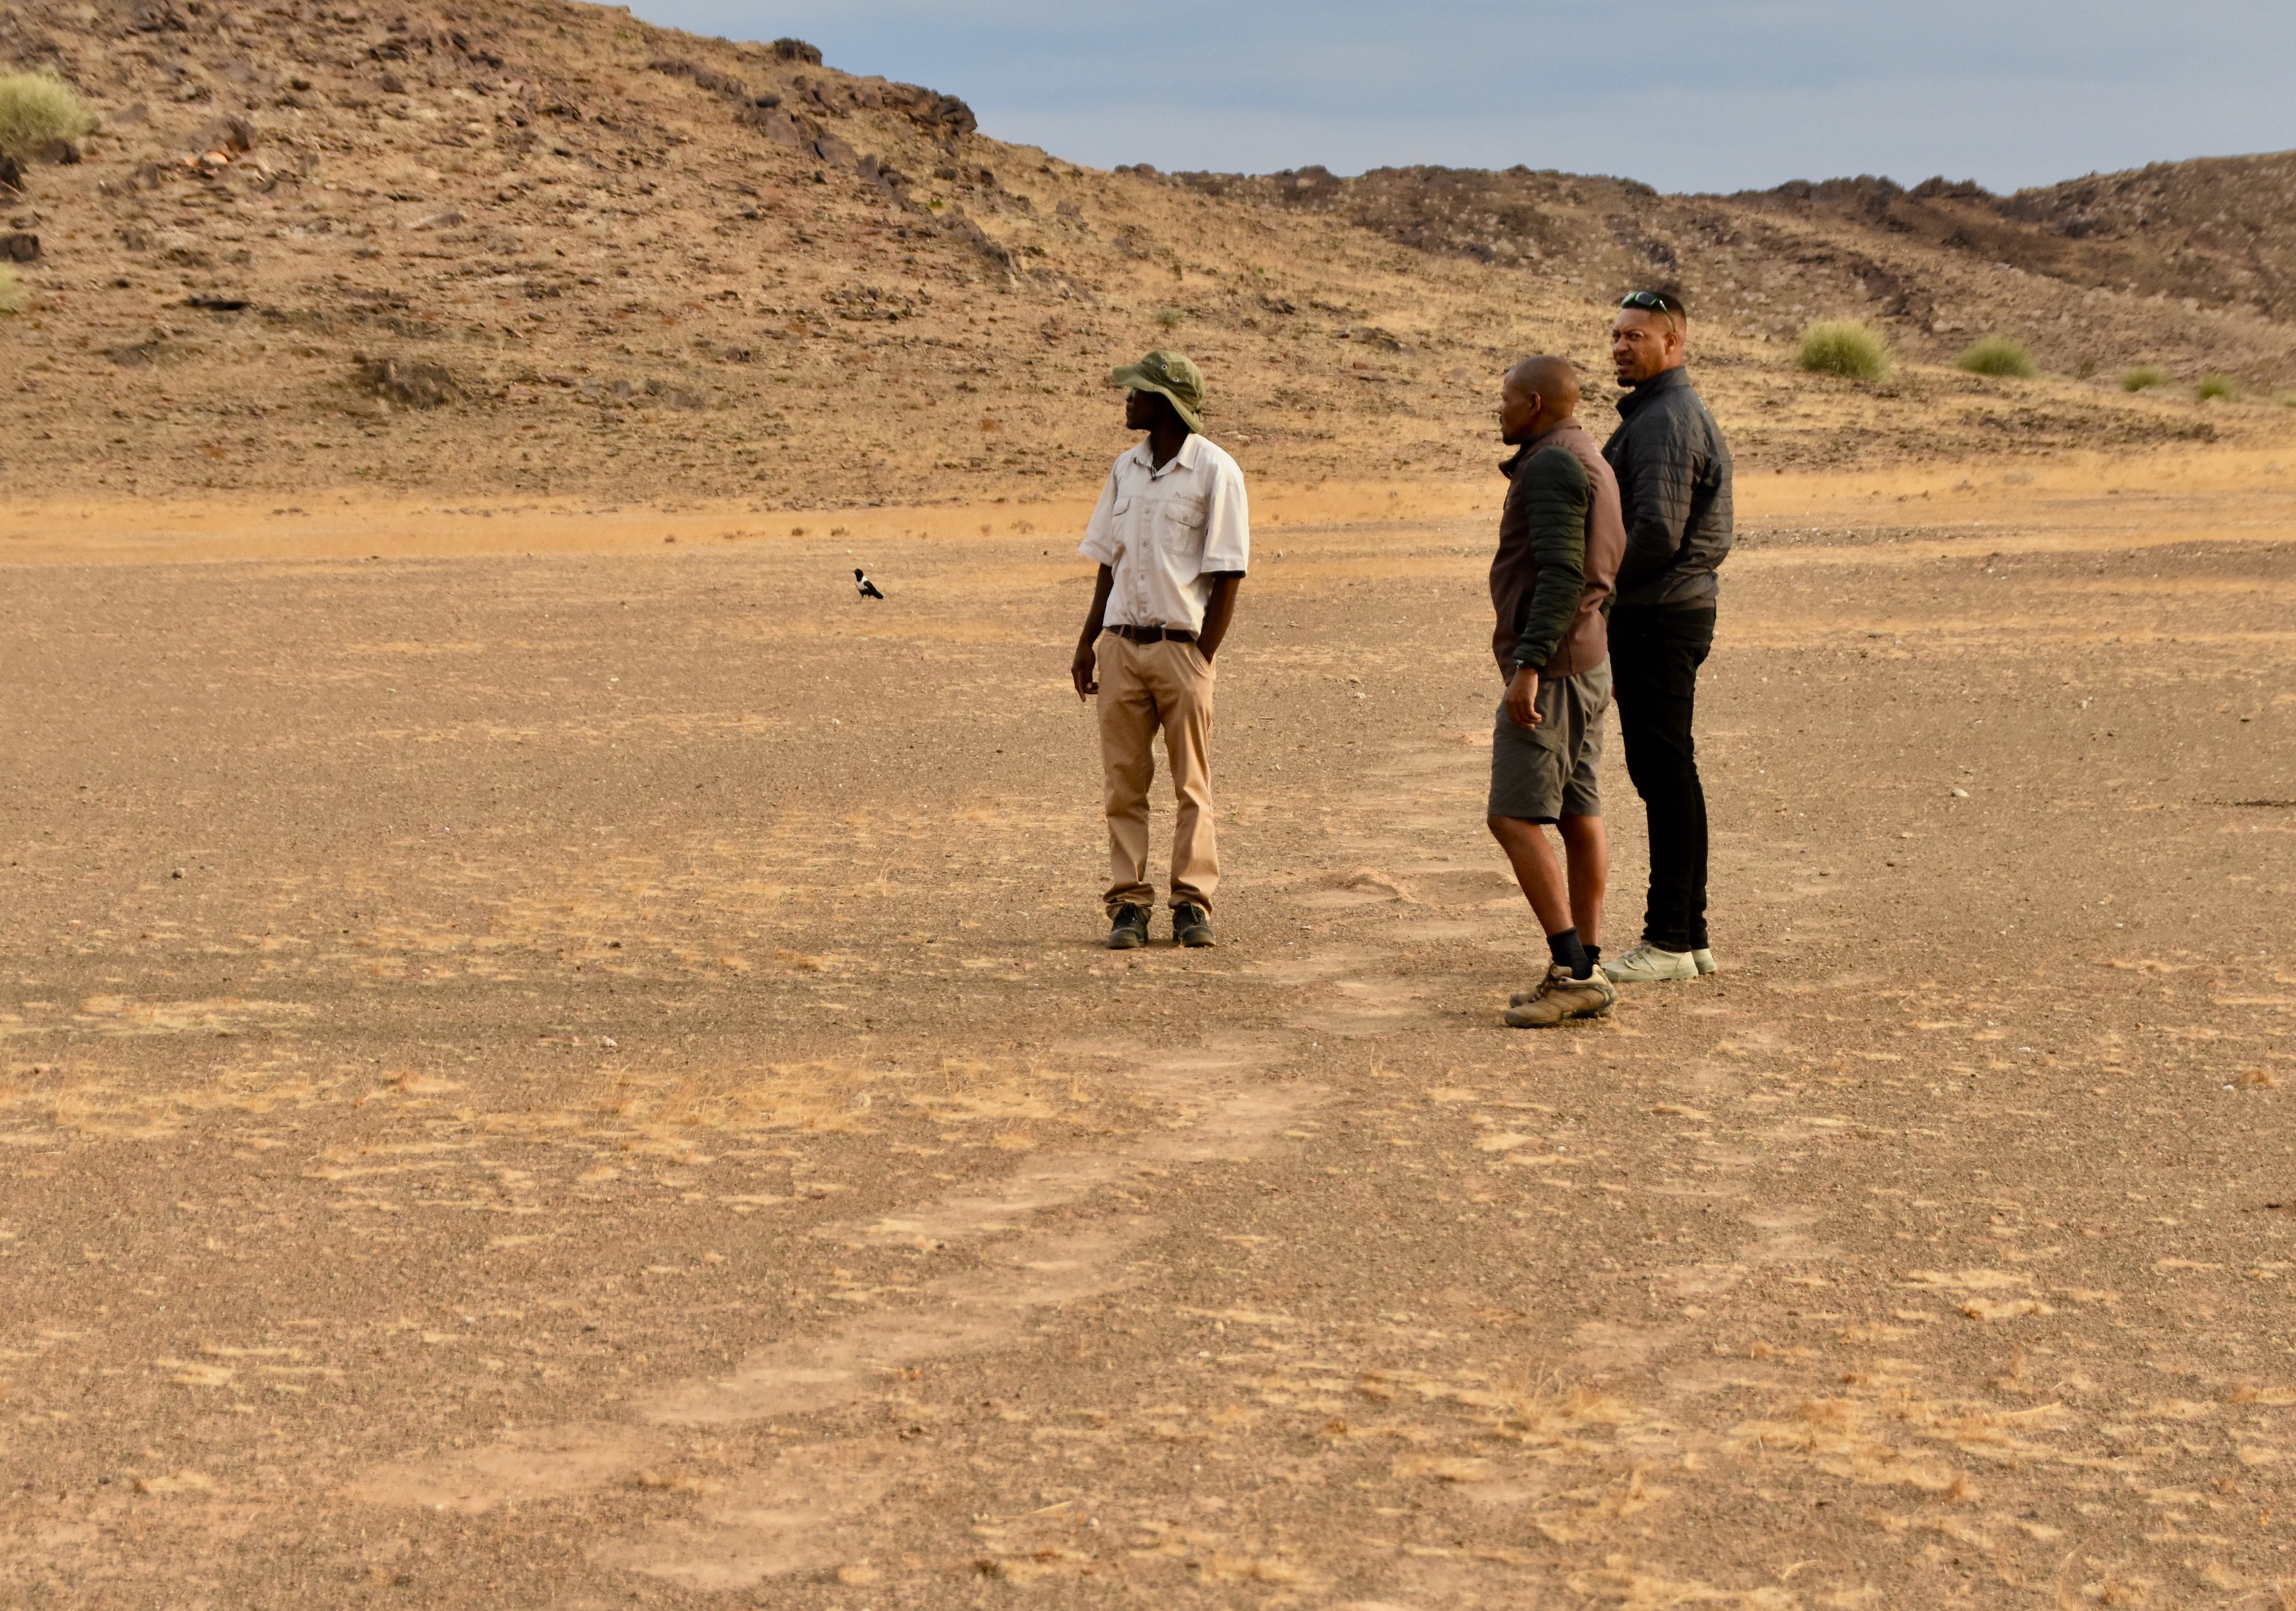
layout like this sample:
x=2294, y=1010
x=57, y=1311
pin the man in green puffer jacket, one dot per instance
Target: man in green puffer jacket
x=1561, y=538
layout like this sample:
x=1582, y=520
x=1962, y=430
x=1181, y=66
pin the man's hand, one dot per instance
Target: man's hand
x=1087, y=658
x=1522, y=698
x=1219, y=611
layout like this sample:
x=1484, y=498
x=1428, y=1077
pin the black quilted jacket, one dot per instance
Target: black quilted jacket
x=1674, y=482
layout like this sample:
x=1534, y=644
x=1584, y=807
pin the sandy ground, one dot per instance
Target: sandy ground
x=548, y=1067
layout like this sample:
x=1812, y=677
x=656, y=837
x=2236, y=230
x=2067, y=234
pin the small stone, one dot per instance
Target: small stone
x=1959, y=793
x=178, y=873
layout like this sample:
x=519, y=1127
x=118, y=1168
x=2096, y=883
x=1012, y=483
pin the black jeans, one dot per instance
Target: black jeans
x=1654, y=659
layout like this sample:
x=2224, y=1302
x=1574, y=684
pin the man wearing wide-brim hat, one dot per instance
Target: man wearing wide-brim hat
x=1172, y=534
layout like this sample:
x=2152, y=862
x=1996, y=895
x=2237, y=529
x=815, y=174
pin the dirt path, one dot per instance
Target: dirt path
x=547, y=1081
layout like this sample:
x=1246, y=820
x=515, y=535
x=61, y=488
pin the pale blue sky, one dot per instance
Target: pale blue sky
x=1687, y=94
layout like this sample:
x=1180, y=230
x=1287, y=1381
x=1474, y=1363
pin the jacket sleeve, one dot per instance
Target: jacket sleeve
x=1665, y=458
x=1556, y=496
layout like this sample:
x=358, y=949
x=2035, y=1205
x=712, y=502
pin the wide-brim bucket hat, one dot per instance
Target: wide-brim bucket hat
x=1173, y=377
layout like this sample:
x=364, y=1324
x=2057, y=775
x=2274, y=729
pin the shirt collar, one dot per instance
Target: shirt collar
x=1665, y=380
x=1190, y=451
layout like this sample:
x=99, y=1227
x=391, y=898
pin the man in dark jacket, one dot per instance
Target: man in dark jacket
x=1559, y=539
x=1674, y=482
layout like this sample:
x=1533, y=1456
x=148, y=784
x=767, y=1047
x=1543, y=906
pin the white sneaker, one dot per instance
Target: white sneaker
x=1645, y=964
x=1704, y=958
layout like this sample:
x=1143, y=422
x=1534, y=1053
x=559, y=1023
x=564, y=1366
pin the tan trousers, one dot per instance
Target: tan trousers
x=1145, y=688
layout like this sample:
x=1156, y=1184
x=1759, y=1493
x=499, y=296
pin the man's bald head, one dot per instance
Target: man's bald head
x=1539, y=394
x=1555, y=379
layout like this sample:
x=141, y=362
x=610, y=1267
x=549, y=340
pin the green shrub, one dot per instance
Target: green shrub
x=1844, y=347
x=35, y=108
x=1171, y=318
x=1999, y=355
x=2142, y=376
x=11, y=291
x=2215, y=386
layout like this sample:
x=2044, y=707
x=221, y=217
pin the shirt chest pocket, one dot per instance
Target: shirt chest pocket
x=1182, y=522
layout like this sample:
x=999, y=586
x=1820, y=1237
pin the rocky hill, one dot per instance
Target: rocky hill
x=502, y=248
x=2068, y=269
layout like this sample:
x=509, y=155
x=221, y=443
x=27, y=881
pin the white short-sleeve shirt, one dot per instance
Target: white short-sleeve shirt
x=1167, y=533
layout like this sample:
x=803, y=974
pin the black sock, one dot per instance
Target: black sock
x=1567, y=952
x=1593, y=956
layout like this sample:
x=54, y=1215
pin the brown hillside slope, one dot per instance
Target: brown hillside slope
x=499, y=249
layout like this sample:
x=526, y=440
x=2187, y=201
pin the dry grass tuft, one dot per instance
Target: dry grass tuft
x=2143, y=377
x=11, y=291
x=1999, y=355
x=36, y=108
x=1847, y=348
x=2214, y=387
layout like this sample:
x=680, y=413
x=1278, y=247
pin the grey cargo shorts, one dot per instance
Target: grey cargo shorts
x=1552, y=770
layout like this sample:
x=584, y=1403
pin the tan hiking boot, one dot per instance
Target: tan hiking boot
x=1558, y=997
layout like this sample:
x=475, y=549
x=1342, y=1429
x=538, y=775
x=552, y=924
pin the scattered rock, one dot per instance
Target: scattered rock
x=778, y=124
x=796, y=50
x=143, y=354
x=834, y=151
x=408, y=385
x=20, y=248
x=217, y=304
x=231, y=135
x=59, y=151
x=11, y=173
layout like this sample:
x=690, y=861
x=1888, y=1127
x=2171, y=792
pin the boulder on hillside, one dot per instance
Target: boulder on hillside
x=11, y=173
x=20, y=248
x=796, y=50
x=780, y=124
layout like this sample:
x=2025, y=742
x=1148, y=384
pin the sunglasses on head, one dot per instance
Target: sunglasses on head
x=1655, y=302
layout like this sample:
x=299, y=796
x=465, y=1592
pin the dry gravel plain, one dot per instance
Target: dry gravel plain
x=548, y=1067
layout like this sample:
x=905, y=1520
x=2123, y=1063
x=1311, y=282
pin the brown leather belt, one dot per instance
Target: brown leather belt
x=1154, y=635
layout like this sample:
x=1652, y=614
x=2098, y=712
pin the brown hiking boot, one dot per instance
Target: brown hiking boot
x=1559, y=997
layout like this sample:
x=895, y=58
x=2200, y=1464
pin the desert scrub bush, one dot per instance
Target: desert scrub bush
x=11, y=291
x=2215, y=386
x=35, y=108
x=2001, y=355
x=1171, y=318
x=1844, y=347
x=2143, y=377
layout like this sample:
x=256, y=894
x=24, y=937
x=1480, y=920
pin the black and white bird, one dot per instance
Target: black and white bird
x=863, y=585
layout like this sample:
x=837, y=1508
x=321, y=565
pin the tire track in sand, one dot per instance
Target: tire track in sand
x=798, y=1513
